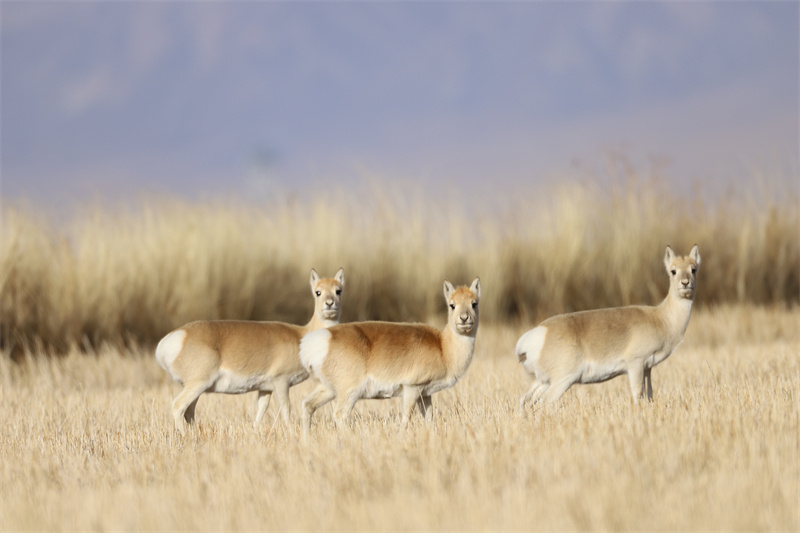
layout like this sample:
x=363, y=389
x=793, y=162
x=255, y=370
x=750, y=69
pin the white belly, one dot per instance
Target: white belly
x=231, y=383
x=594, y=372
x=374, y=389
x=437, y=386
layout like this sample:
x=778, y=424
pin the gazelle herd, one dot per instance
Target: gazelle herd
x=372, y=360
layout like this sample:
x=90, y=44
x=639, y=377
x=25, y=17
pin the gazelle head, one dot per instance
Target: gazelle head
x=682, y=272
x=327, y=295
x=462, y=306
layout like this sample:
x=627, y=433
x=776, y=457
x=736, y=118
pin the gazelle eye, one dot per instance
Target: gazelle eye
x=319, y=293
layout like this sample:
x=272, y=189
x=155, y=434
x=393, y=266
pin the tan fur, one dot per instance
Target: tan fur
x=235, y=357
x=595, y=346
x=365, y=360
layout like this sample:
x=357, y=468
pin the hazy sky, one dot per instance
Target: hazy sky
x=241, y=97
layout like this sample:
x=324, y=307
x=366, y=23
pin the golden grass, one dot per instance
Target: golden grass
x=128, y=275
x=87, y=443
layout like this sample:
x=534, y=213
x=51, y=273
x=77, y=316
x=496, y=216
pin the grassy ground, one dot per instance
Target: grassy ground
x=87, y=443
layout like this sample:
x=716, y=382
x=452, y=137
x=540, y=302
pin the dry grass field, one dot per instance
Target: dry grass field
x=87, y=440
x=87, y=444
x=127, y=275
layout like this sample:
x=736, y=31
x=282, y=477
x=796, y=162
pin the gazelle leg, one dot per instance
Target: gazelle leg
x=425, y=406
x=282, y=395
x=261, y=406
x=636, y=381
x=534, y=393
x=345, y=407
x=184, y=404
x=316, y=399
x=648, y=383
x=555, y=391
x=410, y=396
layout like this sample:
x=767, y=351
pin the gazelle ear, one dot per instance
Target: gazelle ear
x=695, y=254
x=669, y=257
x=448, y=290
x=476, y=288
x=314, y=279
x=340, y=277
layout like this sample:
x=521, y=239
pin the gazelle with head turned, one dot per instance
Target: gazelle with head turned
x=235, y=357
x=372, y=360
x=595, y=346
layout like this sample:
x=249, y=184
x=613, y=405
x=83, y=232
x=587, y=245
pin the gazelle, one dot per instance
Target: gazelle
x=370, y=360
x=234, y=357
x=595, y=346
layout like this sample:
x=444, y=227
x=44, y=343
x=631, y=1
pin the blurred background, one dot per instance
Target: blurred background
x=169, y=161
x=238, y=98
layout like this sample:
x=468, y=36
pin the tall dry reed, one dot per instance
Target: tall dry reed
x=128, y=275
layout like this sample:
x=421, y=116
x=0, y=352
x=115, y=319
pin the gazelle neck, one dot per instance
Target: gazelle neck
x=457, y=349
x=318, y=322
x=675, y=312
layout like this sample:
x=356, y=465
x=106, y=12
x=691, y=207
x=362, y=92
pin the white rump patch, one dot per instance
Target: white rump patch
x=531, y=344
x=168, y=349
x=313, y=350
